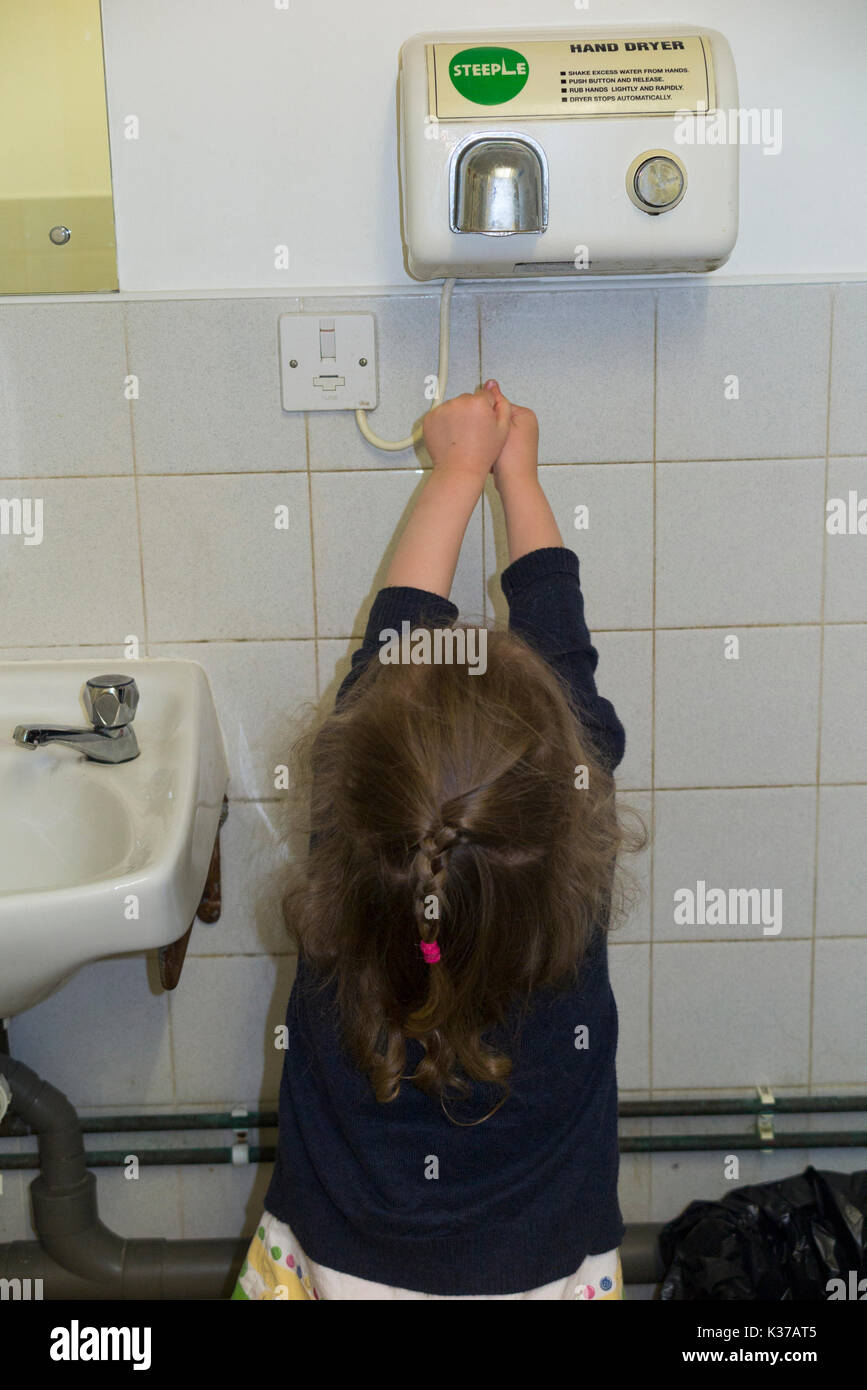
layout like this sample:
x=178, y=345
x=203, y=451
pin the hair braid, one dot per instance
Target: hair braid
x=429, y=871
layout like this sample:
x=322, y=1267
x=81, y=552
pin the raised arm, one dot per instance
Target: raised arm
x=530, y=523
x=541, y=583
x=463, y=437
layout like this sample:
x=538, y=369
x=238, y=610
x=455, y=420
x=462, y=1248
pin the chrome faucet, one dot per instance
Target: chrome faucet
x=111, y=703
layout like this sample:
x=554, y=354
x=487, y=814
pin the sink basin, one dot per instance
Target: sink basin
x=98, y=859
x=57, y=828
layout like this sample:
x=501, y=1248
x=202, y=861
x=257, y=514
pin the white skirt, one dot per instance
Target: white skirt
x=276, y=1267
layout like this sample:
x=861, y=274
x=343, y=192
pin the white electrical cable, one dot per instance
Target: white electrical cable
x=442, y=378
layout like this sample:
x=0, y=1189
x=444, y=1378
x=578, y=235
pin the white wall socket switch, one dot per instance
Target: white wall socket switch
x=328, y=361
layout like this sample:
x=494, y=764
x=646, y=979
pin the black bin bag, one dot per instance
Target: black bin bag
x=804, y=1237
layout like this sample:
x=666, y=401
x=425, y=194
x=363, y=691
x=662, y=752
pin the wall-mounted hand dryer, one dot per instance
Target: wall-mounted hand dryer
x=567, y=152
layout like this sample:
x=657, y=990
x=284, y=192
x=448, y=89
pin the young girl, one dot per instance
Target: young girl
x=448, y=1107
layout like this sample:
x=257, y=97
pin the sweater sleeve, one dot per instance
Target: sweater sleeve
x=546, y=608
x=391, y=607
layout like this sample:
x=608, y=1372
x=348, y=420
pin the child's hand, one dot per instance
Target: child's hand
x=468, y=432
x=519, y=456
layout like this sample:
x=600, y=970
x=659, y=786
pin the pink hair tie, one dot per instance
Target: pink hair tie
x=430, y=950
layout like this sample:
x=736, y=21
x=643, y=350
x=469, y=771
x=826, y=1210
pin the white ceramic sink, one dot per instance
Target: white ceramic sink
x=96, y=858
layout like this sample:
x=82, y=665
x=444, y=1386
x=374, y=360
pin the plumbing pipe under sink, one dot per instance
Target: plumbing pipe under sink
x=76, y=1255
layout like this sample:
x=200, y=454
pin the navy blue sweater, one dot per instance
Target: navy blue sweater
x=521, y=1199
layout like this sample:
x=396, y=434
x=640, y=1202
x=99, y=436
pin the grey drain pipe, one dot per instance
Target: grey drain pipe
x=76, y=1255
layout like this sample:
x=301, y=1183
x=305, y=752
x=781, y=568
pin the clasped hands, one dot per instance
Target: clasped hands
x=482, y=432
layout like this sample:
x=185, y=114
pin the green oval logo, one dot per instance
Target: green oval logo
x=489, y=76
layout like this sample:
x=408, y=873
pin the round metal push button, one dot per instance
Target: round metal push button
x=656, y=181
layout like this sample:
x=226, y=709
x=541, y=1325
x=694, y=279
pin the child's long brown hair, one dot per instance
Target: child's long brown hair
x=445, y=808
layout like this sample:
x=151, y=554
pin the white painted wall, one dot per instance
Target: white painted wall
x=261, y=126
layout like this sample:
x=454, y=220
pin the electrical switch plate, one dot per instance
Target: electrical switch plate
x=327, y=361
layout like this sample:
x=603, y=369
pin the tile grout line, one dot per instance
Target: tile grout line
x=315, y=638
x=833, y=298
x=647, y=791
x=136, y=490
x=146, y=634
x=549, y=285
x=135, y=475
x=398, y=468
x=358, y=636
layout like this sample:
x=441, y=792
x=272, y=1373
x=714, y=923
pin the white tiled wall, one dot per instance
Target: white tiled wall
x=153, y=432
